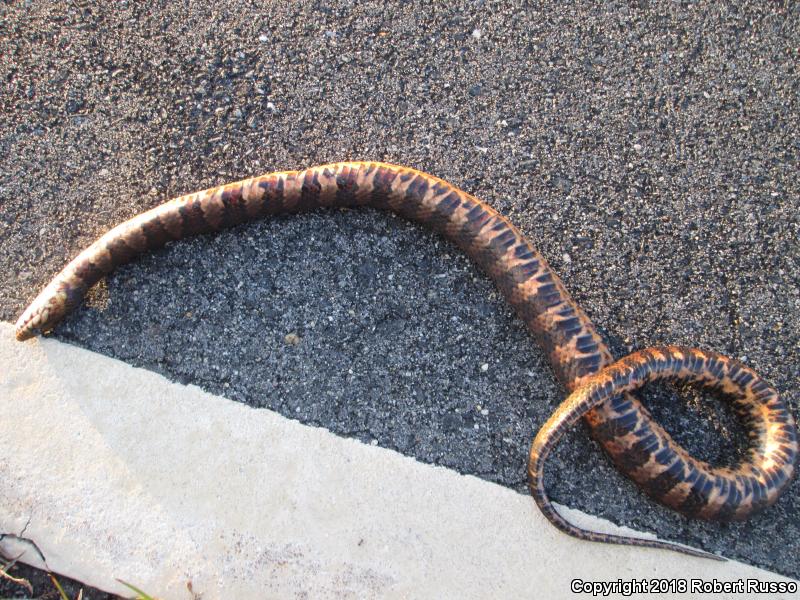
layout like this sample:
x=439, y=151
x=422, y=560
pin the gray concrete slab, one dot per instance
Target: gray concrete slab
x=118, y=473
x=650, y=151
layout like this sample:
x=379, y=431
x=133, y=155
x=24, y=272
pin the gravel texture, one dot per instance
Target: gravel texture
x=649, y=152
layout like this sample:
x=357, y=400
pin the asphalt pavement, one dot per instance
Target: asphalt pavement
x=650, y=152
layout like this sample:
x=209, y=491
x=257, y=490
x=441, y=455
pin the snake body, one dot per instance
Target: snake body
x=601, y=390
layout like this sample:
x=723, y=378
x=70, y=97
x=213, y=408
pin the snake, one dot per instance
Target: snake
x=601, y=390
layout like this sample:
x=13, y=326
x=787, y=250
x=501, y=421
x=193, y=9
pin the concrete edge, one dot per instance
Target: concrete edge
x=114, y=471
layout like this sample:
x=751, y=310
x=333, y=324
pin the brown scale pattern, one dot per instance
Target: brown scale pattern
x=601, y=391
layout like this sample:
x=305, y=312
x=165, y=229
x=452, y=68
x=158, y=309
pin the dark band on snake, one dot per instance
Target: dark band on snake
x=601, y=391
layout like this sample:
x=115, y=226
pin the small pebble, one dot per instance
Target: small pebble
x=292, y=339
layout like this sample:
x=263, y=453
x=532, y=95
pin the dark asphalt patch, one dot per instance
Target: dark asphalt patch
x=649, y=152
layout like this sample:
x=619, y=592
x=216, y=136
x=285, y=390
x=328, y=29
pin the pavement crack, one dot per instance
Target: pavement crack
x=24, y=529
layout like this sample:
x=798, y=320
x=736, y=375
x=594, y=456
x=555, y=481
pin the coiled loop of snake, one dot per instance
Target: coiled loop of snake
x=601, y=391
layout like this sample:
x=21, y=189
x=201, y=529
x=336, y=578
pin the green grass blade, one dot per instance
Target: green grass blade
x=141, y=595
x=61, y=591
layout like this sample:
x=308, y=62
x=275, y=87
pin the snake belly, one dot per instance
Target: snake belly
x=638, y=445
